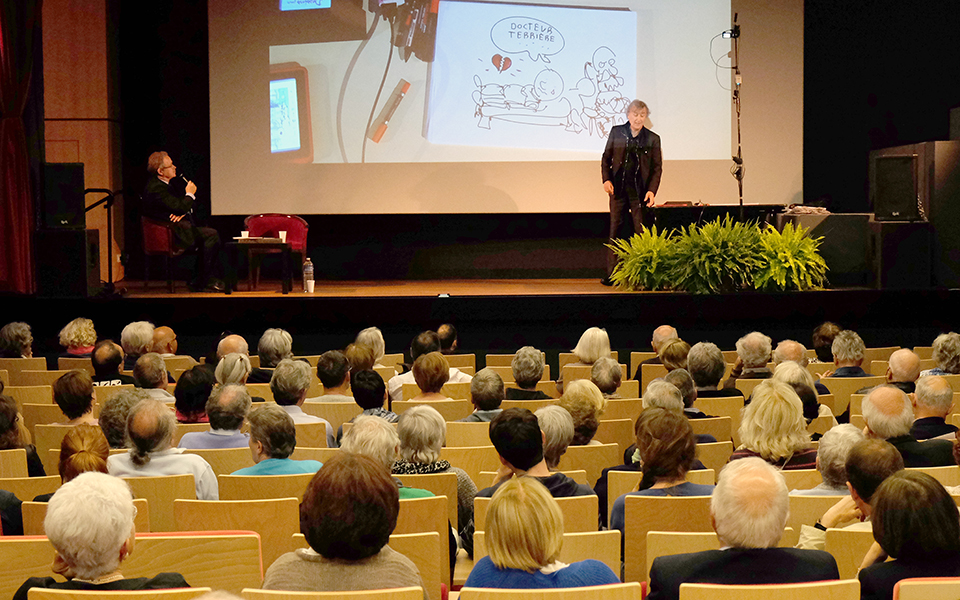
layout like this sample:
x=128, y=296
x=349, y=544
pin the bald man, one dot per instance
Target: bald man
x=749, y=510
x=903, y=370
x=932, y=402
x=795, y=351
x=888, y=414
x=661, y=335
x=165, y=341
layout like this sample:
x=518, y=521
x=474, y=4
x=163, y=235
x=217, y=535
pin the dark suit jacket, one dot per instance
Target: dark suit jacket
x=259, y=375
x=931, y=427
x=877, y=581
x=159, y=203
x=930, y=453
x=738, y=566
x=651, y=159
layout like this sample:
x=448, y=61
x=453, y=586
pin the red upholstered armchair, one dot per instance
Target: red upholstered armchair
x=158, y=241
x=269, y=225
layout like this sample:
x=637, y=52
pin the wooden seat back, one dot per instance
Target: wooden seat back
x=160, y=491
x=622, y=482
x=648, y=373
x=428, y=515
x=927, y=588
x=715, y=455
x=440, y=484
x=848, y=548
x=625, y=408
x=450, y=410
x=13, y=463
x=35, y=512
x=643, y=514
x=225, y=461
x=619, y=591
x=44, y=377
x=260, y=487
x=15, y=366
x=336, y=413
x=616, y=431
x=843, y=589
x=592, y=459
x=473, y=460
x=164, y=594
x=454, y=391
x=842, y=387
x=724, y=407
x=579, y=513
x=28, y=488
x=719, y=427
x=30, y=394
x=577, y=546
x=468, y=434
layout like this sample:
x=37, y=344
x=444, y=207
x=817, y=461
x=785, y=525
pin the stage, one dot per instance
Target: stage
x=492, y=316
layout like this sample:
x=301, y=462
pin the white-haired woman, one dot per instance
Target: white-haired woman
x=803, y=383
x=90, y=524
x=373, y=337
x=78, y=338
x=773, y=428
x=423, y=432
x=593, y=344
x=235, y=369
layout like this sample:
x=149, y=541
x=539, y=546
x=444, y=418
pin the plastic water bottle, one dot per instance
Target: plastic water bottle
x=307, y=273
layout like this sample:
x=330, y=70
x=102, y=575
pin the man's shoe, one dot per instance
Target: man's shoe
x=606, y=281
x=215, y=285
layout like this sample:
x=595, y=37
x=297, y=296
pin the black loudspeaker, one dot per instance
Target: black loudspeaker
x=902, y=254
x=63, y=205
x=845, y=246
x=896, y=188
x=68, y=263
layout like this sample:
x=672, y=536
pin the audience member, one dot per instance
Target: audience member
x=334, y=372
x=370, y=394
x=73, y=393
x=832, y=453
x=423, y=432
x=136, y=340
x=661, y=335
x=448, y=338
x=84, y=448
x=586, y=405
x=486, y=394
x=232, y=343
x=289, y=384
x=888, y=415
x=164, y=341
x=593, y=344
x=430, y=372
x=113, y=415
x=773, y=428
x=16, y=341
x=107, y=358
x=673, y=354
x=425, y=343
x=903, y=370
x=192, y=392
x=516, y=435
x=373, y=337
x=557, y=427
x=868, y=464
x=802, y=382
x=233, y=369
x=917, y=524
x=377, y=439
x=348, y=512
x=681, y=379
x=607, y=376
x=749, y=511
x=663, y=395
x=667, y=450
x=793, y=351
x=78, y=338
x=753, y=353
x=360, y=357
x=706, y=366
x=273, y=438
x=847, y=350
x=527, y=367
x=946, y=353
x=150, y=429
x=524, y=533
x=150, y=374
x=822, y=339
x=275, y=345
x=90, y=524
x=226, y=408
x=14, y=434
x=932, y=402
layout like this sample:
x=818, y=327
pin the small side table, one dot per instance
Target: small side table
x=245, y=244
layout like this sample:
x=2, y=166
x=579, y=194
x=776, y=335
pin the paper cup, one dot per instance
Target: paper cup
x=283, y=236
x=310, y=285
x=244, y=234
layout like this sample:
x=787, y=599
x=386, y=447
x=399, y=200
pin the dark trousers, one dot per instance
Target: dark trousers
x=628, y=215
x=205, y=242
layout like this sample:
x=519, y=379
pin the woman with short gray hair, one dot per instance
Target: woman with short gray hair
x=946, y=353
x=16, y=340
x=527, y=366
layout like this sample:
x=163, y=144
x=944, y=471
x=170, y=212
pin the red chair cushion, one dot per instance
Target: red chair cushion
x=270, y=224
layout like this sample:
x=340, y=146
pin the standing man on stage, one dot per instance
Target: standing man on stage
x=631, y=166
x=163, y=203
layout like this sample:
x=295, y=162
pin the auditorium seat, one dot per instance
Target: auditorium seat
x=158, y=240
x=592, y=459
x=225, y=461
x=715, y=455
x=843, y=589
x=28, y=488
x=577, y=545
x=164, y=594
x=257, y=487
x=67, y=363
x=467, y=434
x=718, y=427
x=622, y=482
x=13, y=463
x=35, y=512
x=425, y=515
x=450, y=410
x=652, y=513
x=407, y=593
x=14, y=366
x=439, y=484
x=454, y=391
x=565, y=358
x=31, y=394
x=927, y=588
x=616, y=431
x=638, y=357
x=160, y=491
x=579, y=513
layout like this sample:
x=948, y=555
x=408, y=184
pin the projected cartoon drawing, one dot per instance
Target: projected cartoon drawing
x=602, y=102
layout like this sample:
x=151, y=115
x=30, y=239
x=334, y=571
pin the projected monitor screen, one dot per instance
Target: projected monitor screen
x=456, y=106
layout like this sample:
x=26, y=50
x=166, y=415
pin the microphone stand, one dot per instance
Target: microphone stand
x=737, y=169
x=109, y=289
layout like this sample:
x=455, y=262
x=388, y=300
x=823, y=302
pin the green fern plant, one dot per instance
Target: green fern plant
x=645, y=260
x=720, y=256
x=791, y=260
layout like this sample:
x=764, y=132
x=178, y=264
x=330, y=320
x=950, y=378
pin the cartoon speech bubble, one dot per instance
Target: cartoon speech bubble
x=524, y=34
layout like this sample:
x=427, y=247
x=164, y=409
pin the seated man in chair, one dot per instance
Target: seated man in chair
x=168, y=204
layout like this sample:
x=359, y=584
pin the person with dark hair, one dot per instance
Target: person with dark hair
x=14, y=434
x=107, y=358
x=333, y=370
x=348, y=512
x=822, y=340
x=370, y=394
x=192, y=392
x=425, y=343
x=360, y=356
x=915, y=522
x=83, y=449
x=73, y=393
x=226, y=409
x=273, y=438
x=150, y=429
x=448, y=338
x=668, y=450
x=113, y=415
x=516, y=435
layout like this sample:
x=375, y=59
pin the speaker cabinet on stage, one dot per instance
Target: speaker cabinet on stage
x=845, y=246
x=63, y=205
x=901, y=254
x=68, y=263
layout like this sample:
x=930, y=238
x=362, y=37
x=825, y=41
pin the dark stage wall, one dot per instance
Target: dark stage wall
x=503, y=324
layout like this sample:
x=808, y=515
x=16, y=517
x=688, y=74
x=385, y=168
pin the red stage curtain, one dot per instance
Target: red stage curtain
x=18, y=20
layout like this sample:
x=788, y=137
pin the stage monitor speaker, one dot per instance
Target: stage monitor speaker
x=63, y=200
x=902, y=254
x=68, y=263
x=896, y=194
